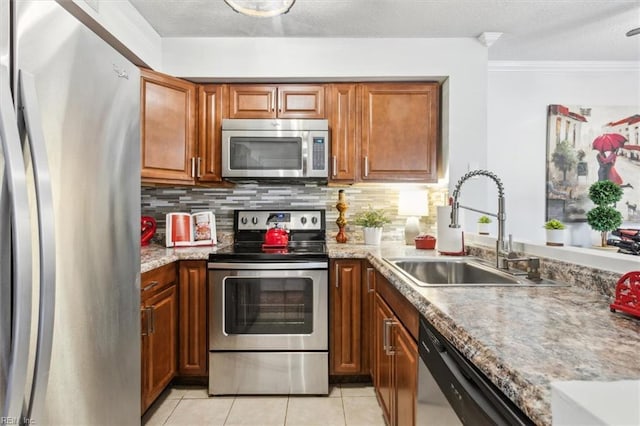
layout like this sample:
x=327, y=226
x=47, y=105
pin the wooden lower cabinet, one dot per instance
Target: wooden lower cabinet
x=159, y=342
x=395, y=365
x=350, y=317
x=345, y=317
x=194, y=351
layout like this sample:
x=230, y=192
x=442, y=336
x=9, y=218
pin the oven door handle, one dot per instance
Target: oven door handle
x=268, y=265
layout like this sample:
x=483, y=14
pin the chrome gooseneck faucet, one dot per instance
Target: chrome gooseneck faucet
x=501, y=249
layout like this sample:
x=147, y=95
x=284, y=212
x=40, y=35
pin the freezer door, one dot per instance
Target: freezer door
x=88, y=96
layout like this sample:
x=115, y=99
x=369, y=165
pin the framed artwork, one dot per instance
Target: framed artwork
x=586, y=144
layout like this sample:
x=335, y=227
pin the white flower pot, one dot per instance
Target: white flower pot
x=483, y=228
x=555, y=237
x=372, y=236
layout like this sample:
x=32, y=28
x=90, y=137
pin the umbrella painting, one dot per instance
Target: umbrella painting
x=586, y=144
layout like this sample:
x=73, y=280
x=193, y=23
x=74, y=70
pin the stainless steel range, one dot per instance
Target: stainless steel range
x=268, y=327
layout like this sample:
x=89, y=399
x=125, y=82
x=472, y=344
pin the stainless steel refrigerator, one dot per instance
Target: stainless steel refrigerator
x=69, y=222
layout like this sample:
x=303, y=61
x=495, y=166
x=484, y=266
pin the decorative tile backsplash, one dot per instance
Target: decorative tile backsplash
x=157, y=201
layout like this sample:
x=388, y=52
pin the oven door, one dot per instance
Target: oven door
x=268, y=306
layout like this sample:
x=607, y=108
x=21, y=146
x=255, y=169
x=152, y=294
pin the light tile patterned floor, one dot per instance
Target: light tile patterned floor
x=346, y=405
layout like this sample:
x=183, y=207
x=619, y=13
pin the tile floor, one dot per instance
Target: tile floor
x=347, y=404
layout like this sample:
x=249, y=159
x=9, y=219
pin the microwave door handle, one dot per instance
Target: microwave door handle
x=305, y=153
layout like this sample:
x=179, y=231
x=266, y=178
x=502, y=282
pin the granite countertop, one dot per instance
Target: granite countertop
x=154, y=256
x=522, y=338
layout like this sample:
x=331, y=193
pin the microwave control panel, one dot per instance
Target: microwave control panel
x=319, y=148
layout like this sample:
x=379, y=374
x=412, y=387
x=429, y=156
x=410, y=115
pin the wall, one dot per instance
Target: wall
x=518, y=96
x=157, y=202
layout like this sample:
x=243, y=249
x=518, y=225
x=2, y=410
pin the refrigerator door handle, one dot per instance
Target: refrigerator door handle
x=30, y=110
x=16, y=185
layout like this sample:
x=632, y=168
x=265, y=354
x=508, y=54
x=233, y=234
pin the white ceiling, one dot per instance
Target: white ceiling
x=548, y=30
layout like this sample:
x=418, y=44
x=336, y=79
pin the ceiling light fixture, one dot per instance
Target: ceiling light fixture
x=633, y=32
x=261, y=8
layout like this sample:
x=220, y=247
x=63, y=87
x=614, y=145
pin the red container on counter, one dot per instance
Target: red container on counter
x=425, y=242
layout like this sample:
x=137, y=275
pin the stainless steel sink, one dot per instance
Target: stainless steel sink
x=458, y=271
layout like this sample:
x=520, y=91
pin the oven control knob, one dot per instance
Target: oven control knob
x=254, y=220
x=303, y=219
x=244, y=220
x=314, y=220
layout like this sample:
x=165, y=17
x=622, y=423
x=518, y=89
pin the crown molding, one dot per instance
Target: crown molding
x=559, y=66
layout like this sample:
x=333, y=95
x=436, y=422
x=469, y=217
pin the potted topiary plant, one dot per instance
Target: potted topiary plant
x=555, y=232
x=372, y=222
x=604, y=217
x=483, y=225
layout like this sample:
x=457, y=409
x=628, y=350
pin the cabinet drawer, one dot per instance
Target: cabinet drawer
x=157, y=279
x=404, y=310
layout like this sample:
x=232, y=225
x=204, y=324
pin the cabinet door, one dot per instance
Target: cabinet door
x=209, y=146
x=252, y=101
x=301, y=101
x=162, y=340
x=168, y=118
x=383, y=361
x=343, y=124
x=193, y=353
x=368, y=300
x=346, y=314
x=405, y=375
x=400, y=123
x=144, y=358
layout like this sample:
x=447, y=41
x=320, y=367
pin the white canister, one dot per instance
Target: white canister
x=449, y=240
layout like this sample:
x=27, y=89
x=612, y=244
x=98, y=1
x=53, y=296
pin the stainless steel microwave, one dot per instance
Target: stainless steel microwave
x=273, y=148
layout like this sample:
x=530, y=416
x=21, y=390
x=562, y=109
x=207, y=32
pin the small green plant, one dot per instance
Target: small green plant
x=554, y=224
x=604, y=217
x=371, y=218
x=484, y=219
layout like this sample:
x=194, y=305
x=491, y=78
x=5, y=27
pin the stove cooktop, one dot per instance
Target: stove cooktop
x=295, y=251
x=306, y=237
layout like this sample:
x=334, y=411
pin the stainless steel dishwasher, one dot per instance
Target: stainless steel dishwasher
x=452, y=391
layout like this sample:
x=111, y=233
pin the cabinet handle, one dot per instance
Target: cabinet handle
x=279, y=103
x=334, y=166
x=273, y=103
x=142, y=316
x=388, y=347
x=152, y=321
x=199, y=167
x=193, y=167
x=151, y=285
x=369, y=288
x=366, y=166
x=337, y=275
x=149, y=316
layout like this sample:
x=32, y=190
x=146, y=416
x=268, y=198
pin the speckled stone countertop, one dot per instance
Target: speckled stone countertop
x=154, y=256
x=522, y=338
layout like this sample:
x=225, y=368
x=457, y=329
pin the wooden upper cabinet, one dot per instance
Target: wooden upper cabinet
x=301, y=101
x=210, y=108
x=400, y=129
x=343, y=124
x=276, y=101
x=168, y=126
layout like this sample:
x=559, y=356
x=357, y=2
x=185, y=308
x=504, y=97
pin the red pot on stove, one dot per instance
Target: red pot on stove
x=276, y=237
